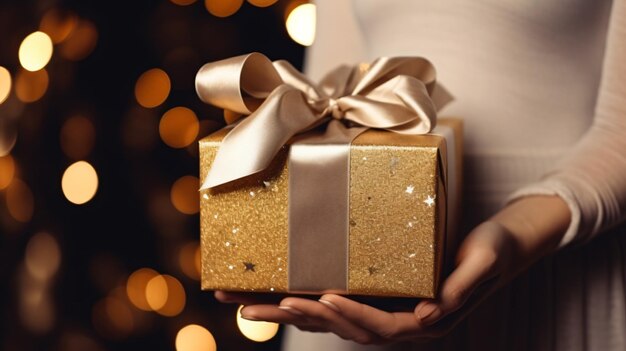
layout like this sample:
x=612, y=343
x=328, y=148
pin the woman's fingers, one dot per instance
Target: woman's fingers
x=247, y=298
x=320, y=314
x=387, y=325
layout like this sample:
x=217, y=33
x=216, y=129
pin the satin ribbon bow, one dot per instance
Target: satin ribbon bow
x=399, y=94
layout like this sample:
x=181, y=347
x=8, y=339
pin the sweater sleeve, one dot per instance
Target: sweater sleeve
x=591, y=178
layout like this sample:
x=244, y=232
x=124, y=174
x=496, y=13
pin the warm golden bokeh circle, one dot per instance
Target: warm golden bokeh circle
x=80, y=42
x=262, y=3
x=152, y=88
x=183, y=2
x=113, y=318
x=222, y=8
x=301, y=24
x=179, y=127
x=5, y=84
x=43, y=256
x=256, y=331
x=31, y=86
x=35, y=51
x=20, y=201
x=77, y=137
x=58, y=24
x=157, y=292
x=187, y=260
x=176, y=298
x=185, y=196
x=79, y=182
x=7, y=171
x=195, y=338
x=136, y=287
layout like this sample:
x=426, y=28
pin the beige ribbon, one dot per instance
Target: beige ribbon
x=399, y=94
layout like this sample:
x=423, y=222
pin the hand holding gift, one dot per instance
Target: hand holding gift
x=491, y=255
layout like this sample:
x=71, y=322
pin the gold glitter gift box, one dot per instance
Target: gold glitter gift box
x=402, y=190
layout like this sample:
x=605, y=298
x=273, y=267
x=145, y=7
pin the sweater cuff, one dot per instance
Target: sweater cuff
x=553, y=187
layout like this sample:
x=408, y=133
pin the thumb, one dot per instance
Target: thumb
x=479, y=259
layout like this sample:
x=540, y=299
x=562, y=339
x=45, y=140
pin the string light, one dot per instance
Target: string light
x=256, y=331
x=79, y=182
x=152, y=88
x=31, y=86
x=184, y=195
x=179, y=127
x=301, y=24
x=195, y=338
x=5, y=84
x=222, y=8
x=35, y=51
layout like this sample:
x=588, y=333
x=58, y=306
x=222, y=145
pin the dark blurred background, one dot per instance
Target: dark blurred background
x=99, y=225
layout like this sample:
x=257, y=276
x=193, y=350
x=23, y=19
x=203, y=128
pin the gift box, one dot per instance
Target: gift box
x=371, y=221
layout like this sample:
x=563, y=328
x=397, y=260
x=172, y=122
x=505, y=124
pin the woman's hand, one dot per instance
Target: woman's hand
x=489, y=257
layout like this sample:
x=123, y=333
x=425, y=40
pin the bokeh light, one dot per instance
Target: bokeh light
x=36, y=309
x=113, y=318
x=152, y=88
x=256, y=331
x=262, y=3
x=301, y=24
x=7, y=170
x=187, y=259
x=136, y=287
x=35, y=51
x=58, y=24
x=43, y=256
x=31, y=86
x=156, y=292
x=80, y=42
x=222, y=8
x=76, y=341
x=185, y=196
x=20, y=201
x=176, y=298
x=5, y=84
x=195, y=338
x=183, y=2
x=179, y=127
x=77, y=137
x=79, y=182
x=140, y=129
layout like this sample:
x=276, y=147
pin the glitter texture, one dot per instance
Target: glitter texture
x=396, y=240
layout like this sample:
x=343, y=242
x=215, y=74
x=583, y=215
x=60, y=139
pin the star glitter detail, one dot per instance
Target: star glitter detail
x=372, y=270
x=249, y=266
x=429, y=201
x=409, y=189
